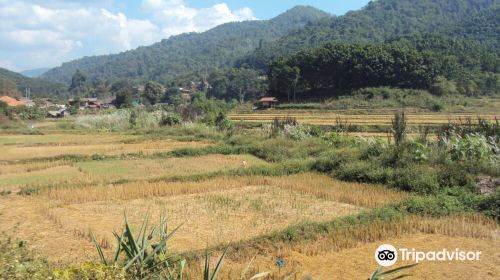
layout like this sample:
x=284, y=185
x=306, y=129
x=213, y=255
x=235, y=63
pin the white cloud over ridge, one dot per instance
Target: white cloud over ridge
x=46, y=33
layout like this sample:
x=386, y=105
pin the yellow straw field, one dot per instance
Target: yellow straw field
x=331, y=118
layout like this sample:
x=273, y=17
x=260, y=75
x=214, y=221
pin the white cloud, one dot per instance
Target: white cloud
x=175, y=17
x=46, y=33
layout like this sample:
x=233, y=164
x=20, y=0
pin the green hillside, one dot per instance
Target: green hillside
x=12, y=83
x=187, y=54
x=388, y=19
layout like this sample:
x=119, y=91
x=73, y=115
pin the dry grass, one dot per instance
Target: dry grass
x=358, y=263
x=363, y=195
x=79, y=174
x=215, y=211
x=209, y=218
x=49, y=176
x=10, y=153
x=348, y=253
x=329, y=118
x=30, y=167
x=64, y=139
x=154, y=168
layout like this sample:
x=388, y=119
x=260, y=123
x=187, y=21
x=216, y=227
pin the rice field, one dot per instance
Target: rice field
x=62, y=174
x=330, y=118
x=216, y=211
x=76, y=197
x=12, y=152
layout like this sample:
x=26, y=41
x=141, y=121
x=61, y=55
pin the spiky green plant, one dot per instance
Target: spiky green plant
x=380, y=274
x=144, y=255
x=134, y=255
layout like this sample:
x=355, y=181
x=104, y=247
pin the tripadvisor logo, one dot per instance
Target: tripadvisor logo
x=387, y=255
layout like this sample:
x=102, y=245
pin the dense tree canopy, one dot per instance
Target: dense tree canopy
x=240, y=84
x=153, y=92
x=124, y=93
x=383, y=20
x=337, y=67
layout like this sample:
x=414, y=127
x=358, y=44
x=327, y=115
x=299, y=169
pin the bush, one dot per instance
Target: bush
x=415, y=178
x=469, y=148
x=223, y=123
x=440, y=205
x=490, y=205
x=338, y=140
x=363, y=171
x=452, y=174
x=170, y=119
x=374, y=149
x=332, y=160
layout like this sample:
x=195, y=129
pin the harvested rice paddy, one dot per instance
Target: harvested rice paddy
x=74, y=197
x=332, y=118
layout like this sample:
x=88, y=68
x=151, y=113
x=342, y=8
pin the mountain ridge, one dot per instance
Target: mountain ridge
x=13, y=84
x=217, y=47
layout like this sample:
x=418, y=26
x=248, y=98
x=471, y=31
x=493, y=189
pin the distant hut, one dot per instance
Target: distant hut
x=58, y=114
x=267, y=102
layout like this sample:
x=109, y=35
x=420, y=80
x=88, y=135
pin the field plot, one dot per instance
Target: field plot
x=330, y=118
x=61, y=139
x=147, y=147
x=65, y=173
x=213, y=212
x=349, y=253
x=76, y=197
x=357, y=262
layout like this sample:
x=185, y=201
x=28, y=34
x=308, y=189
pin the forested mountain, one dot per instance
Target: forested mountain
x=452, y=42
x=187, y=54
x=14, y=84
x=34, y=73
x=388, y=19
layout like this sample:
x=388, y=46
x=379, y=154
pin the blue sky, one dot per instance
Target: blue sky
x=46, y=33
x=262, y=8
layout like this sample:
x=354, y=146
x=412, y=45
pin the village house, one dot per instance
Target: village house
x=267, y=102
x=85, y=103
x=58, y=114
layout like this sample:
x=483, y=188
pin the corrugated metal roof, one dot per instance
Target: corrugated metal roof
x=268, y=99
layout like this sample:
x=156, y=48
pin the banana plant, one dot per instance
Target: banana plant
x=380, y=274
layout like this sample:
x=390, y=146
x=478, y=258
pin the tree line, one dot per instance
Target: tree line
x=339, y=68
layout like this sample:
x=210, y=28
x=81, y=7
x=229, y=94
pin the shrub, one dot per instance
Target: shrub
x=332, y=160
x=440, y=205
x=490, y=205
x=399, y=127
x=469, y=148
x=223, y=123
x=363, y=171
x=453, y=174
x=338, y=140
x=170, y=119
x=415, y=178
x=374, y=149
x=418, y=151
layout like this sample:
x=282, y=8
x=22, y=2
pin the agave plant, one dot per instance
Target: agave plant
x=380, y=274
x=145, y=255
